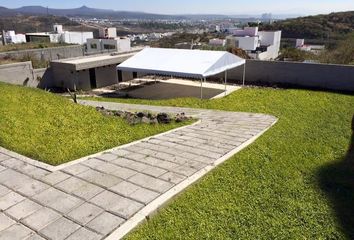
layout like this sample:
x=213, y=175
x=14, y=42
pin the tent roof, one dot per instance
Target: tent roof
x=180, y=62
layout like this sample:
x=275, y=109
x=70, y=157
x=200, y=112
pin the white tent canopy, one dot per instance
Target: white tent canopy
x=179, y=62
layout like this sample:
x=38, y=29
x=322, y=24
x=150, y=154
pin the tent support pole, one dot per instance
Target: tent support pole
x=244, y=74
x=201, y=88
x=225, y=82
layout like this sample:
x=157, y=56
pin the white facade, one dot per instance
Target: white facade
x=107, y=32
x=300, y=42
x=108, y=45
x=60, y=36
x=58, y=28
x=12, y=37
x=217, y=42
x=262, y=45
x=76, y=37
x=316, y=49
x=247, y=31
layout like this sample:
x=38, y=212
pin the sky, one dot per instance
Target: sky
x=301, y=7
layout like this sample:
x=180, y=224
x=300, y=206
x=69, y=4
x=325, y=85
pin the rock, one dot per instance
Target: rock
x=140, y=114
x=163, y=118
x=154, y=121
x=145, y=120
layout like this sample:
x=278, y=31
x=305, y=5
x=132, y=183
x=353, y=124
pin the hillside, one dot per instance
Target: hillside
x=331, y=26
x=23, y=23
x=83, y=12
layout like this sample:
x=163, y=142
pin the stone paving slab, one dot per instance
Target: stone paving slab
x=107, y=194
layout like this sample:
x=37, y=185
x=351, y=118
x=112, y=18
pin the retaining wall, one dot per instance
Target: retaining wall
x=47, y=54
x=23, y=74
x=307, y=75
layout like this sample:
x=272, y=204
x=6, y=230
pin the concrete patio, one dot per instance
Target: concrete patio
x=108, y=194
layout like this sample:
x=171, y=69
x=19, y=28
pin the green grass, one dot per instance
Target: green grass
x=54, y=130
x=294, y=182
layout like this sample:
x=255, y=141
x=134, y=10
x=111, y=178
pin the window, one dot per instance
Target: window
x=108, y=46
x=93, y=45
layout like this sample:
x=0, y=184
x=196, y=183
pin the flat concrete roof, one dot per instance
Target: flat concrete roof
x=87, y=62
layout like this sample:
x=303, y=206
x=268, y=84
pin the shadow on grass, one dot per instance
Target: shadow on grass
x=337, y=181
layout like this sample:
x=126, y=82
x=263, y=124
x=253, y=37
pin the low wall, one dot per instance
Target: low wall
x=23, y=74
x=47, y=54
x=307, y=75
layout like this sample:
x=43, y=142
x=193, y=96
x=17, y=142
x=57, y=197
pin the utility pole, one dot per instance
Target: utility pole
x=3, y=38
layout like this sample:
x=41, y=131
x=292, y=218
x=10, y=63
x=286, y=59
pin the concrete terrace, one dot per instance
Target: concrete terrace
x=108, y=194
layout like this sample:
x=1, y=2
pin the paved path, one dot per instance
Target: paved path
x=109, y=194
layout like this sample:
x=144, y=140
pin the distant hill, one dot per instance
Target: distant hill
x=333, y=26
x=23, y=24
x=84, y=12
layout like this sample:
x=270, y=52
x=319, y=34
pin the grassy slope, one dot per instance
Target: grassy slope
x=282, y=186
x=54, y=130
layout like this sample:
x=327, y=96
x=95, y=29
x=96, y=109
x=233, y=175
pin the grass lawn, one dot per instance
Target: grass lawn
x=295, y=182
x=54, y=130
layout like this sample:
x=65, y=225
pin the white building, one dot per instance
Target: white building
x=59, y=36
x=217, y=42
x=316, y=49
x=108, y=32
x=12, y=37
x=108, y=45
x=262, y=45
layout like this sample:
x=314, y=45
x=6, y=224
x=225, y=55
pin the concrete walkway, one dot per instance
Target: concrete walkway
x=107, y=195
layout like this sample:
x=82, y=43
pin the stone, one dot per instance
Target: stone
x=121, y=206
x=34, y=237
x=88, y=191
x=102, y=179
x=16, y=231
x=144, y=195
x=32, y=188
x=4, y=190
x=163, y=118
x=173, y=177
x=60, y=229
x=76, y=169
x=41, y=218
x=150, y=182
x=23, y=209
x=10, y=200
x=13, y=179
x=55, y=177
x=85, y=234
x=145, y=120
x=124, y=188
x=5, y=221
x=105, y=223
x=85, y=213
x=57, y=200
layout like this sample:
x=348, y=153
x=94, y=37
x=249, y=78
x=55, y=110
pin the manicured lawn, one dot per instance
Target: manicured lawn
x=54, y=130
x=295, y=182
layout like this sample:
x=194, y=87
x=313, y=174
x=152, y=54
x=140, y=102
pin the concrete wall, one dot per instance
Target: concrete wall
x=23, y=74
x=65, y=77
x=323, y=76
x=48, y=54
x=106, y=76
